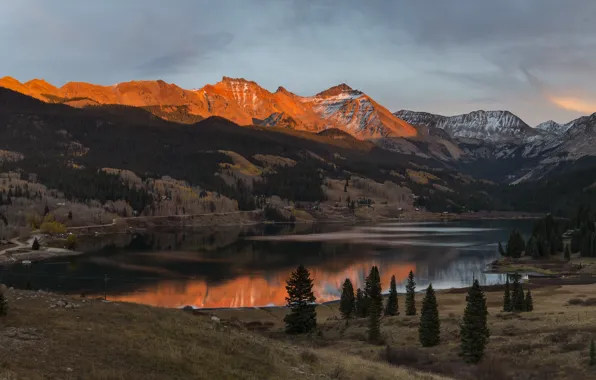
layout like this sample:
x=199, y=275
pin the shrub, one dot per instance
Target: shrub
x=274, y=215
x=309, y=357
x=52, y=227
x=71, y=241
x=34, y=221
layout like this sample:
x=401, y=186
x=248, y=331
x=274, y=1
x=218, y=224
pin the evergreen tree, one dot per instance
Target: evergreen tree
x=529, y=302
x=70, y=215
x=375, y=306
x=301, y=301
x=532, y=248
x=507, y=303
x=360, y=309
x=411, y=295
x=46, y=210
x=592, y=353
x=392, y=306
x=3, y=304
x=515, y=245
x=429, y=330
x=35, y=246
x=347, y=301
x=567, y=253
x=366, y=296
x=518, y=298
x=501, y=250
x=474, y=331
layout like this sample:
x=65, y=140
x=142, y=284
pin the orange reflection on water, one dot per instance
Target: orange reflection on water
x=248, y=291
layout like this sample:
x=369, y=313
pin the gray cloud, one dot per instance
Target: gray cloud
x=439, y=56
x=184, y=58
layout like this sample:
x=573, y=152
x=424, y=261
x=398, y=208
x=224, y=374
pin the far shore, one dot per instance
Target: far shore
x=18, y=251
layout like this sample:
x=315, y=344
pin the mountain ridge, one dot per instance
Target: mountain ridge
x=495, y=126
x=237, y=99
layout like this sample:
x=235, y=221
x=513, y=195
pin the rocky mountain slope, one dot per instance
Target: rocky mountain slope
x=493, y=126
x=498, y=145
x=241, y=101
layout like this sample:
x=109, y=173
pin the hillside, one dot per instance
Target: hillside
x=51, y=336
x=60, y=143
x=216, y=164
x=551, y=342
x=241, y=101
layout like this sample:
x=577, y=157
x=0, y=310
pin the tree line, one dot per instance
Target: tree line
x=368, y=303
x=545, y=240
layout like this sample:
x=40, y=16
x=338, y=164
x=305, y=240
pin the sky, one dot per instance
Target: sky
x=535, y=58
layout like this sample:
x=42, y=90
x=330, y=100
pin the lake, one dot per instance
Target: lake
x=248, y=266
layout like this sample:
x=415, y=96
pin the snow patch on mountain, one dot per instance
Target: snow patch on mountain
x=350, y=109
x=551, y=127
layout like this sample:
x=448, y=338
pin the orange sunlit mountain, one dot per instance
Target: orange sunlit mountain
x=239, y=100
x=247, y=291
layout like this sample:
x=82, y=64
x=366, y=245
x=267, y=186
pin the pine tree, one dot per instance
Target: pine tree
x=507, y=303
x=515, y=245
x=567, y=253
x=360, y=310
x=532, y=248
x=474, y=331
x=3, y=304
x=46, y=210
x=366, y=297
x=529, y=302
x=347, y=301
x=411, y=295
x=375, y=306
x=301, y=301
x=70, y=215
x=518, y=294
x=592, y=353
x=501, y=250
x=392, y=306
x=429, y=330
x=35, y=246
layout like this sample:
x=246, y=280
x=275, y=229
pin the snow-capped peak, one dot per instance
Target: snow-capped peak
x=494, y=126
x=550, y=127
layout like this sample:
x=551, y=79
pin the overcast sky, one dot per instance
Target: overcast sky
x=536, y=58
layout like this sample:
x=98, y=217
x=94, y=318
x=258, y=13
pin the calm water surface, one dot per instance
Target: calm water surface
x=248, y=266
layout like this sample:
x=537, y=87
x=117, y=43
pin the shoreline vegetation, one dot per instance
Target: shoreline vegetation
x=558, y=251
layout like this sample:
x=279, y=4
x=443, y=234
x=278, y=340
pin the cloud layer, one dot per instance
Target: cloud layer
x=534, y=57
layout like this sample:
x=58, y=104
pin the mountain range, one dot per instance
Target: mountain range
x=241, y=101
x=464, y=139
x=491, y=145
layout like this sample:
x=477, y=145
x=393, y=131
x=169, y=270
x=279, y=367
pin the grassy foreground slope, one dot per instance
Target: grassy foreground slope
x=551, y=342
x=44, y=337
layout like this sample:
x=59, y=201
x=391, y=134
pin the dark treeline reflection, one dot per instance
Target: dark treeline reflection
x=248, y=266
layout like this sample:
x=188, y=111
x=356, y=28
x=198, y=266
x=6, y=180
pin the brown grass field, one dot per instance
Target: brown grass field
x=98, y=340
x=101, y=341
x=552, y=342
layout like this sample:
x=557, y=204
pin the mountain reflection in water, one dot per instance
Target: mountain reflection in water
x=248, y=266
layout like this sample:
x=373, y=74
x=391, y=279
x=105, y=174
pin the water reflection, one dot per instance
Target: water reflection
x=240, y=266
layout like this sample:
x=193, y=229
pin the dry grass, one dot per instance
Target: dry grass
x=549, y=343
x=99, y=341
